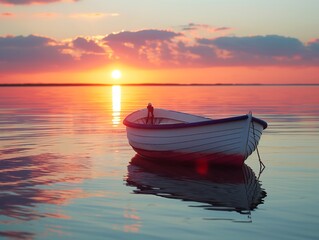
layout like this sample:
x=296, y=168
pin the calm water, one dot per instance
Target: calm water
x=67, y=171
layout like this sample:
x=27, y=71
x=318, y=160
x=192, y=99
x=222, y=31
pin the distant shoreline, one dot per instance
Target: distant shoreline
x=149, y=84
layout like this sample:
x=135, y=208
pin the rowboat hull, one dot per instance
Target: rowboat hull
x=178, y=137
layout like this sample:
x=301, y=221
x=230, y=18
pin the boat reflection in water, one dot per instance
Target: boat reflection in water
x=222, y=189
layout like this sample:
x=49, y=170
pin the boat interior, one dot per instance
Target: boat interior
x=163, y=117
x=157, y=121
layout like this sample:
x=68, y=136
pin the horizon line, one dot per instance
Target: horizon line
x=149, y=84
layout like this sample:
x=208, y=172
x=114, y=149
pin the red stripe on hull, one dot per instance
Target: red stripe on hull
x=200, y=160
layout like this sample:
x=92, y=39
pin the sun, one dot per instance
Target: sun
x=116, y=74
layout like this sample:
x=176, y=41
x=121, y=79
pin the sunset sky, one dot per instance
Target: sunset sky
x=165, y=41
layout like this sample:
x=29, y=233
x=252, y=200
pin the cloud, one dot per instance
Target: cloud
x=271, y=45
x=142, y=47
x=30, y=53
x=93, y=15
x=42, y=54
x=46, y=15
x=222, y=29
x=87, y=45
x=52, y=15
x=27, y=2
x=140, y=37
x=7, y=14
x=312, y=52
x=313, y=46
x=261, y=50
x=151, y=48
x=205, y=27
x=160, y=48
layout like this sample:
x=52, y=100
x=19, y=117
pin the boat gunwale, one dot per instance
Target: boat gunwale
x=192, y=124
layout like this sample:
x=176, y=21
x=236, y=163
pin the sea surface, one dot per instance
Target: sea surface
x=68, y=172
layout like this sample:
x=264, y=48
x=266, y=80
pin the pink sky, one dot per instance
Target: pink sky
x=183, y=53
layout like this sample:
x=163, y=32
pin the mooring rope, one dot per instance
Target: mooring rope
x=261, y=164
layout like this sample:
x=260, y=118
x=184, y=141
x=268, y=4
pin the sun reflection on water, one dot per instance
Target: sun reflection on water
x=116, y=105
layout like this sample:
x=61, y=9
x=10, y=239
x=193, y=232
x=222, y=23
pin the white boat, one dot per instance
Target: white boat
x=181, y=137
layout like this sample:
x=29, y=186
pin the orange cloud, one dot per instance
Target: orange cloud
x=93, y=15
x=158, y=49
x=7, y=14
x=26, y=2
x=46, y=15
